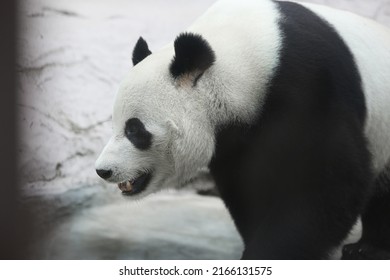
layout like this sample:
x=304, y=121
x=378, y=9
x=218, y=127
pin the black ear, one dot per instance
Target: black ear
x=141, y=50
x=193, y=54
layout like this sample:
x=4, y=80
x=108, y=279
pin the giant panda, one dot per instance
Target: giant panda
x=287, y=105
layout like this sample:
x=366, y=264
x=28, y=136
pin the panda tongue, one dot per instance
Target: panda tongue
x=125, y=186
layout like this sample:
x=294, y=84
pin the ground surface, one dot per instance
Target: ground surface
x=72, y=56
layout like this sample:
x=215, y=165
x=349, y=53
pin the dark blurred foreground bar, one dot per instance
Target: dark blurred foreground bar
x=13, y=229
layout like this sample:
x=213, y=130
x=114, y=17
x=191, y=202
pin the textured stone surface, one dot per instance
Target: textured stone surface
x=72, y=56
x=184, y=226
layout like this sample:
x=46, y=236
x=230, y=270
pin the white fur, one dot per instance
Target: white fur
x=246, y=40
x=370, y=45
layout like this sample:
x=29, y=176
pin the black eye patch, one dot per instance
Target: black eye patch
x=137, y=134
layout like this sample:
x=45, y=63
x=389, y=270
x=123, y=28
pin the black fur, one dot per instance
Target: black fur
x=296, y=179
x=136, y=132
x=141, y=50
x=193, y=54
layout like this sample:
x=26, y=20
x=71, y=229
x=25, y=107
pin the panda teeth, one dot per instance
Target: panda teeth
x=126, y=186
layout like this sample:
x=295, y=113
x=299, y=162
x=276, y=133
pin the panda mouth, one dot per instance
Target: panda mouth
x=136, y=185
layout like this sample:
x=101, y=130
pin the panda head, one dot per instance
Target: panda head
x=162, y=132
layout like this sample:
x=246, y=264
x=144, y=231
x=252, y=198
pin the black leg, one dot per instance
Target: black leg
x=299, y=230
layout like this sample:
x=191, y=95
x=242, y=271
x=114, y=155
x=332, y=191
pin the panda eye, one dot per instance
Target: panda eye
x=136, y=132
x=132, y=128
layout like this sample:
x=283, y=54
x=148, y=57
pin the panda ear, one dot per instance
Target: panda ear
x=141, y=50
x=193, y=56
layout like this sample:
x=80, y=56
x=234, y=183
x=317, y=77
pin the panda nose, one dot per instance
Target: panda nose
x=105, y=174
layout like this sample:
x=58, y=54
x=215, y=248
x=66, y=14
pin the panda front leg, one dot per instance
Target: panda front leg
x=304, y=228
x=300, y=231
x=375, y=241
x=294, y=191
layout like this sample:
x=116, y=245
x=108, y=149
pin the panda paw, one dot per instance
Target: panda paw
x=364, y=251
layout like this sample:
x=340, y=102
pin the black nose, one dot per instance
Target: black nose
x=105, y=174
